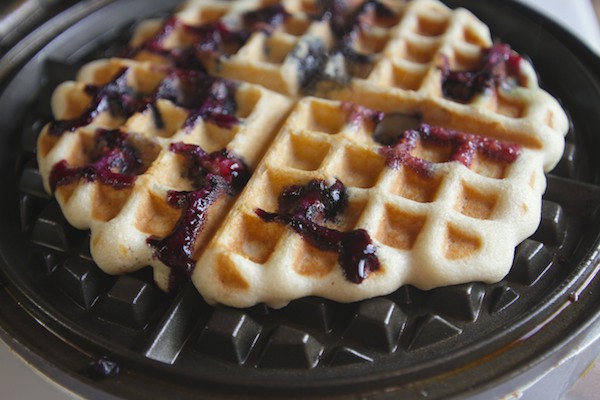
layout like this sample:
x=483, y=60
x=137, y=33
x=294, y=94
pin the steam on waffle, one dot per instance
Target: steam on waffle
x=272, y=150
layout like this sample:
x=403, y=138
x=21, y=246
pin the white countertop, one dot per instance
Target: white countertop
x=576, y=15
x=19, y=381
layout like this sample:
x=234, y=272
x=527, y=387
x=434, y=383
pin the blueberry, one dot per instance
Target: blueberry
x=305, y=209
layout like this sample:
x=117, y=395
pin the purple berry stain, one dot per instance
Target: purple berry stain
x=209, y=40
x=348, y=24
x=316, y=61
x=208, y=98
x=306, y=208
x=212, y=175
x=184, y=58
x=114, y=161
x=464, y=147
x=346, y=21
x=205, y=97
x=499, y=65
x=116, y=97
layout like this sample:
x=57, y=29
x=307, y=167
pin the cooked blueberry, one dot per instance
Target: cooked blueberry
x=306, y=208
x=499, y=65
x=114, y=161
x=212, y=175
x=206, y=97
x=103, y=368
x=116, y=97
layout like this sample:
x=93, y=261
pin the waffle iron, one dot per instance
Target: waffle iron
x=103, y=336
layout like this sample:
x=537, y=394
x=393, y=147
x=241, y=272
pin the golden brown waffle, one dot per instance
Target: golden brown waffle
x=430, y=220
x=428, y=230
x=122, y=219
x=400, y=69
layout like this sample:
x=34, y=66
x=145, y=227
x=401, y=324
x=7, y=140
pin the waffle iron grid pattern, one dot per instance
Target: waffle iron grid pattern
x=308, y=333
x=311, y=332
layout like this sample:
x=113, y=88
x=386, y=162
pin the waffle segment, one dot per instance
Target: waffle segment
x=387, y=55
x=443, y=227
x=124, y=216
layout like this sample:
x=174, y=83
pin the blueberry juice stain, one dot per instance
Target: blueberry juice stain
x=463, y=148
x=348, y=23
x=305, y=208
x=212, y=175
x=207, y=98
x=211, y=99
x=116, y=97
x=114, y=161
x=499, y=65
x=210, y=40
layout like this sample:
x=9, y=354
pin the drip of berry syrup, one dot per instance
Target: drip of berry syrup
x=499, y=64
x=113, y=161
x=306, y=208
x=212, y=175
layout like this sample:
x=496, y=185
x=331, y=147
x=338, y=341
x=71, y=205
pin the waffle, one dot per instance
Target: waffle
x=275, y=150
x=125, y=201
x=390, y=60
x=429, y=230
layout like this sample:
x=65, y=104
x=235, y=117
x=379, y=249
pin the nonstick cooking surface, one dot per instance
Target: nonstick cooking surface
x=71, y=320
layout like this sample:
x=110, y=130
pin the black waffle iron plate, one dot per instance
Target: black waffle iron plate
x=104, y=336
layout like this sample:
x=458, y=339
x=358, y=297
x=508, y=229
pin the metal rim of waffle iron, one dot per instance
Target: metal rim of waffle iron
x=59, y=313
